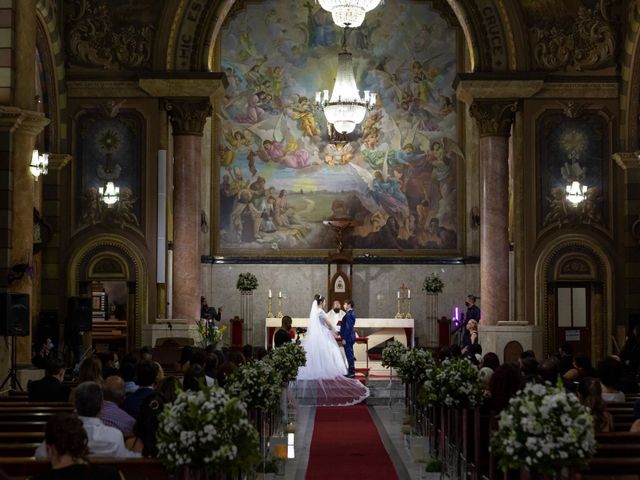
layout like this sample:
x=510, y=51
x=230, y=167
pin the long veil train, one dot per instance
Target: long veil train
x=322, y=382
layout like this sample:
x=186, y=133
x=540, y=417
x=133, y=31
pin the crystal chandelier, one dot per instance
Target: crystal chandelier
x=109, y=194
x=576, y=192
x=345, y=108
x=39, y=164
x=348, y=13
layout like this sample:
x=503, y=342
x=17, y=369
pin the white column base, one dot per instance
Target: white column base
x=494, y=338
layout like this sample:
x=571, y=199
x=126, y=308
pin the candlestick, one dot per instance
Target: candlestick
x=270, y=307
x=280, y=305
x=399, y=314
x=269, y=293
x=408, y=314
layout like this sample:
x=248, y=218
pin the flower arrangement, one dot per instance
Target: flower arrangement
x=454, y=383
x=247, y=282
x=544, y=428
x=257, y=384
x=415, y=366
x=287, y=360
x=433, y=283
x=210, y=334
x=392, y=354
x=207, y=430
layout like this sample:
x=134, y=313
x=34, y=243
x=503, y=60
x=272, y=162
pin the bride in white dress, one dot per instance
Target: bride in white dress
x=322, y=380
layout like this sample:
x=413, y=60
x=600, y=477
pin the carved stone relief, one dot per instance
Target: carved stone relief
x=101, y=34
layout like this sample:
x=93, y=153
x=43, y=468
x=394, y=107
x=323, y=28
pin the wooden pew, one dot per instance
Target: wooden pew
x=611, y=467
x=135, y=469
x=36, y=409
x=22, y=426
x=21, y=437
x=15, y=450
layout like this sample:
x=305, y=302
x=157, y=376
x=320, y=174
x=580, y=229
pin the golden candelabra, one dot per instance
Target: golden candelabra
x=399, y=314
x=279, y=307
x=270, y=308
x=408, y=314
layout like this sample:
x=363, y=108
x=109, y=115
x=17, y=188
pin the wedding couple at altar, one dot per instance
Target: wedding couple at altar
x=326, y=379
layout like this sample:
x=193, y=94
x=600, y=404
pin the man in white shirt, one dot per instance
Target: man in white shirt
x=335, y=315
x=104, y=441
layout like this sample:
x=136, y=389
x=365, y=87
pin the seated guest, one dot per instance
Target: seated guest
x=455, y=351
x=103, y=441
x=67, y=449
x=169, y=388
x=237, y=358
x=590, y=393
x=610, y=371
x=39, y=360
x=224, y=371
x=146, y=353
x=504, y=384
x=247, y=351
x=90, y=370
x=259, y=353
x=185, y=357
x=110, y=364
x=50, y=387
x=210, y=367
x=199, y=358
x=529, y=370
x=160, y=375
x=111, y=414
x=283, y=335
x=128, y=374
x=491, y=361
x=548, y=371
x=146, y=373
x=565, y=358
x=193, y=379
x=581, y=369
x=146, y=427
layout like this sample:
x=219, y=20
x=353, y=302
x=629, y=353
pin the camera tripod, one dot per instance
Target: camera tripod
x=12, y=376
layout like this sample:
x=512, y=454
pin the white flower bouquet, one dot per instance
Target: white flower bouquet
x=542, y=429
x=454, y=383
x=415, y=365
x=392, y=354
x=257, y=384
x=207, y=430
x=287, y=360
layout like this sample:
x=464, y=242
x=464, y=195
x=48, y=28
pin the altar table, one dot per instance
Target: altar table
x=377, y=324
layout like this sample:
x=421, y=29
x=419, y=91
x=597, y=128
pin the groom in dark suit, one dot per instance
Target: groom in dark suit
x=348, y=335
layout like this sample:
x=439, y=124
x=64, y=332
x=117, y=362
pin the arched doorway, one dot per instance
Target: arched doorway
x=575, y=297
x=112, y=266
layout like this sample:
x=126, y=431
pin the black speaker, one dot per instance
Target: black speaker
x=80, y=313
x=14, y=314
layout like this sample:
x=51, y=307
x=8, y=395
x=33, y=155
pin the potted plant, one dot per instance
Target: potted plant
x=247, y=282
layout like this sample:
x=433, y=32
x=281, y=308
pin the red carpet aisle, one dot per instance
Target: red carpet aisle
x=346, y=444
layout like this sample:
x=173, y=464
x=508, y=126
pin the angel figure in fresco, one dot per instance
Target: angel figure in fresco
x=123, y=208
x=558, y=212
x=247, y=48
x=91, y=207
x=286, y=155
x=338, y=153
x=302, y=111
x=254, y=112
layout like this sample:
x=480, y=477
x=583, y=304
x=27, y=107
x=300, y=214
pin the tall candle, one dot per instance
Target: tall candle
x=279, y=294
x=270, y=293
x=398, y=294
x=408, y=293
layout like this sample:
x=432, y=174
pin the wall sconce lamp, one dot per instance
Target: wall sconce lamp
x=39, y=164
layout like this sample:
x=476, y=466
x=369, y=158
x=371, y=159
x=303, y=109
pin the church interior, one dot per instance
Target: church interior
x=180, y=175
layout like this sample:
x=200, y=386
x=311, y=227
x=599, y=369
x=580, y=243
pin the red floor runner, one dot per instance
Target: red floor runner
x=346, y=444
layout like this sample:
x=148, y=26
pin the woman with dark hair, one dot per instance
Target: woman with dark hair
x=504, y=384
x=90, y=371
x=185, y=357
x=67, y=449
x=491, y=361
x=146, y=426
x=582, y=368
x=193, y=379
x=169, y=388
x=590, y=393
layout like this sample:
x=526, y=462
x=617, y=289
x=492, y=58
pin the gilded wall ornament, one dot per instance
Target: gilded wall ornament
x=562, y=212
x=95, y=40
x=588, y=43
x=494, y=117
x=188, y=115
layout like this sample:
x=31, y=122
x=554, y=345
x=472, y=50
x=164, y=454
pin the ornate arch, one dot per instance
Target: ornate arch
x=630, y=87
x=489, y=27
x=575, y=257
x=49, y=46
x=84, y=258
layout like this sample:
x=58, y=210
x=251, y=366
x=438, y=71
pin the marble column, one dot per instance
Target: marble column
x=187, y=116
x=24, y=138
x=494, y=119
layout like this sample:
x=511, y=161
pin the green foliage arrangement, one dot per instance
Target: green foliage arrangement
x=257, y=384
x=392, y=354
x=287, y=360
x=454, y=383
x=433, y=283
x=247, y=282
x=415, y=366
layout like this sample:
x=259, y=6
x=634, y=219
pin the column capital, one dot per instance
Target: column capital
x=494, y=117
x=57, y=161
x=627, y=160
x=10, y=118
x=188, y=114
x=32, y=123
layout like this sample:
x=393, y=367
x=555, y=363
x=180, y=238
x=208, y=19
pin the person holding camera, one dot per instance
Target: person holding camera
x=208, y=312
x=285, y=333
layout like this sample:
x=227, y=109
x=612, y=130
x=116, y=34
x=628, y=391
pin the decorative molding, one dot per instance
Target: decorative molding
x=627, y=160
x=588, y=44
x=57, y=161
x=94, y=40
x=572, y=109
x=188, y=115
x=494, y=118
